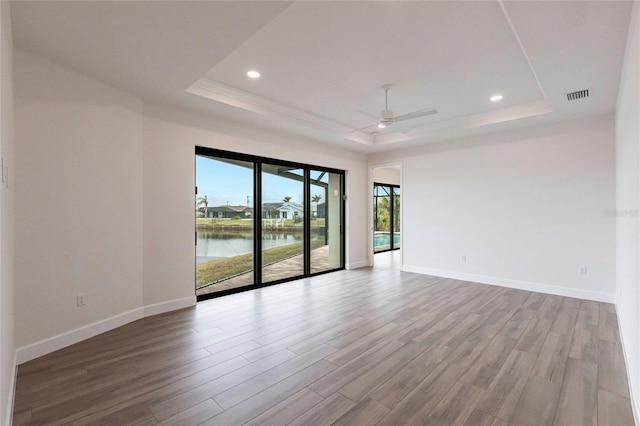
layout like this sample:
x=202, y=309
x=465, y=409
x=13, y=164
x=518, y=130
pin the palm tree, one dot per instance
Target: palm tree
x=202, y=201
x=316, y=199
x=286, y=199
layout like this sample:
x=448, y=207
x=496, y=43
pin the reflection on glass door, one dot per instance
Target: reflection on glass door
x=326, y=220
x=283, y=213
x=224, y=224
x=386, y=217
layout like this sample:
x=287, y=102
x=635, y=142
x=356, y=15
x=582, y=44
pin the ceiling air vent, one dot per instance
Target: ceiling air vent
x=580, y=94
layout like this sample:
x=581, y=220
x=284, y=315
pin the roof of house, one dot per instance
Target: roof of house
x=297, y=206
x=271, y=206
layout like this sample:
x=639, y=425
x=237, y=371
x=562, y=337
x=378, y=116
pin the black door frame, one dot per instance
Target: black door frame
x=392, y=213
x=257, y=217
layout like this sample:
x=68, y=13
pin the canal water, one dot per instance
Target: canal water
x=215, y=245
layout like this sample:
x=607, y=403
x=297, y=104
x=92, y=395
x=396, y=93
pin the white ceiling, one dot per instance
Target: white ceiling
x=323, y=63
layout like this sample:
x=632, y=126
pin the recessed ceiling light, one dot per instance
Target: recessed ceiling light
x=381, y=126
x=253, y=74
x=495, y=98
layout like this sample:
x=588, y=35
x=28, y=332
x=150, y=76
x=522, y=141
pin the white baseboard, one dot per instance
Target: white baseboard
x=634, y=394
x=12, y=392
x=171, y=305
x=356, y=265
x=520, y=285
x=54, y=343
x=62, y=340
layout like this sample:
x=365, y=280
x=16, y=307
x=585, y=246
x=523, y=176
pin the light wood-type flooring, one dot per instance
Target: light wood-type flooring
x=364, y=347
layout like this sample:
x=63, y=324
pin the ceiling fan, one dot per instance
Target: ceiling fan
x=387, y=118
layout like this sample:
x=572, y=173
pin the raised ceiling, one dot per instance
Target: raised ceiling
x=323, y=63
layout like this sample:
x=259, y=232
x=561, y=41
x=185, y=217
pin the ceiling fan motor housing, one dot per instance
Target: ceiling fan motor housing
x=386, y=116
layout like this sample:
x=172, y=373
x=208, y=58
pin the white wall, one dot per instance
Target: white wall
x=526, y=208
x=105, y=202
x=390, y=175
x=78, y=199
x=169, y=179
x=7, y=348
x=627, y=205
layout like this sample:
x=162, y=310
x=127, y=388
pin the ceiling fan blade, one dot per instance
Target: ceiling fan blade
x=375, y=117
x=374, y=129
x=416, y=114
x=368, y=129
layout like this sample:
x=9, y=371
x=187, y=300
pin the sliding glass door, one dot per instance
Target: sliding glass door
x=282, y=222
x=386, y=217
x=224, y=224
x=326, y=220
x=262, y=221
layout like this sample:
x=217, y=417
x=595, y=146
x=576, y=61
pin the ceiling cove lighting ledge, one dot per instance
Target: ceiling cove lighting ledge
x=515, y=112
x=222, y=93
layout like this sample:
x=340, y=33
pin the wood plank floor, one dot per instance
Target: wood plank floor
x=364, y=347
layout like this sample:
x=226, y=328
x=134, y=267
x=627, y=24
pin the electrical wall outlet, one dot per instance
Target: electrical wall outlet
x=463, y=258
x=81, y=299
x=583, y=270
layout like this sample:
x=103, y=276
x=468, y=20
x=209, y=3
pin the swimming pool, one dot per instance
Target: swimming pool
x=383, y=238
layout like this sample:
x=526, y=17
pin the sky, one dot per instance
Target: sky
x=225, y=183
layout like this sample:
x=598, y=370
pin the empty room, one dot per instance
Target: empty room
x=318, y=212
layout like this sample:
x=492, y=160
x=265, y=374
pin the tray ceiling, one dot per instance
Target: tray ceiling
x=322, y=64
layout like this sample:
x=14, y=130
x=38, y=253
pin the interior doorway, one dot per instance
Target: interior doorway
x=386, y=211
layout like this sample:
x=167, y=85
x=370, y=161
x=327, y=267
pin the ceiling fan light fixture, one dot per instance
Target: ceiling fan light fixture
x=387, y=118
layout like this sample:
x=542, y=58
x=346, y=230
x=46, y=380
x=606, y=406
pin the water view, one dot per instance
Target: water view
x=383, y=239
x=214, y=245
x=225, y=213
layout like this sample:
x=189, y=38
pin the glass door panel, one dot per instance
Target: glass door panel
x=224, y=224
x=282, y=222
x=326, y=220
x=396, y=218
x=381, y=218
x=386, y=217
